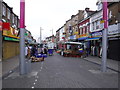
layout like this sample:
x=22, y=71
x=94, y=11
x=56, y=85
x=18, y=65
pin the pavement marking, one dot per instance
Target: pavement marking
x=34, y=83
x=32, y=87
x=41, y=67
x=36, y=80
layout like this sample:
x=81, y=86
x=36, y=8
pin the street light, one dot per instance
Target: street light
x=52, y=31
x=104, y=36
x=41, y=35
x=22, y=39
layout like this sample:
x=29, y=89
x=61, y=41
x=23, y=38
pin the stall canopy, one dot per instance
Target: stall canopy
x=95, y=38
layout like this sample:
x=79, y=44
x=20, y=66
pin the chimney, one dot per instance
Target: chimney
x=87, y=9
x=72, y=16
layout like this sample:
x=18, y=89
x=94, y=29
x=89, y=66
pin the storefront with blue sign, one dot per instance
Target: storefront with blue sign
x=72, y=38
x=95, y=43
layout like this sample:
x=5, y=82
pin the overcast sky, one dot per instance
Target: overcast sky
x=49, y=14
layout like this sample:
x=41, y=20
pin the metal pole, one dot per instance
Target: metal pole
x=104, y=36
x=1, y=44
x=52, y=31
x=40, y=35
x=1, y=30
x=22, y=37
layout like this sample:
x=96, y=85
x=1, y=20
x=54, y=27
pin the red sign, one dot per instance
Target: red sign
x=6, y=26
x=0, y=25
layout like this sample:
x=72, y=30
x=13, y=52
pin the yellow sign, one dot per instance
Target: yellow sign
x=83, y=35
x=10, y=33
x=102, y=21
x=75, y=32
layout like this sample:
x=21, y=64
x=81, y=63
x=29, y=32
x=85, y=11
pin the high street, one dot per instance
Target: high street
x=63, y=72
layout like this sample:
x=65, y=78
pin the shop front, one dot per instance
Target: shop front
x=10, y=43
x=10, y=47
x=114, y=42
x=95, y=43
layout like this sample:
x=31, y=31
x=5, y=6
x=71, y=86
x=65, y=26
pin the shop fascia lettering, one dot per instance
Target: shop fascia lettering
x=97, y=34
x=113, y=29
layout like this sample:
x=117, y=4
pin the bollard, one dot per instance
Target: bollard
x=28, y=66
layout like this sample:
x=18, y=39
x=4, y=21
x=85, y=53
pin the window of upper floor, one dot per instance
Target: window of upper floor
x=4, y=10
x=16, y=21
x=13, y=18
x=8, y=13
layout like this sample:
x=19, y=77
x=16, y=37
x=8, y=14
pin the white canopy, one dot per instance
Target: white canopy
x=73, y=43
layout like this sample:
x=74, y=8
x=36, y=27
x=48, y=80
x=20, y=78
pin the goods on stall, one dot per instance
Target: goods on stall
x=58, y=51
x=67, y=53
x=34, y=59
x=73, y=49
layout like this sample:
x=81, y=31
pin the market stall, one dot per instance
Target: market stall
x=73, y=49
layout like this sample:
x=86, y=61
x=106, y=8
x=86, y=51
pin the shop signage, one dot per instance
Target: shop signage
x=10, y=39
x=113, y=29
x=83, y=35
x=97, y=34
x=0, y=25
x=115, y=38
x=102, y=21
x=73, y=37
x=6, y=26
x=75, y=32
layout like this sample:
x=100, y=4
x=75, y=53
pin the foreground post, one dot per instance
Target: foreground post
x=22, y=37
x=104, y=36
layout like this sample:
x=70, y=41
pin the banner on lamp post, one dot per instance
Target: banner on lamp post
x=0, y=25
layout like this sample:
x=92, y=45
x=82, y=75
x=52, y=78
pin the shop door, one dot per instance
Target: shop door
x=113, y=50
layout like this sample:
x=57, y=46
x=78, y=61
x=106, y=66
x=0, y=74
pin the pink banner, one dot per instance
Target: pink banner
x=105, y=14
x=22, y=14
x=1, y=25
x=22, y=0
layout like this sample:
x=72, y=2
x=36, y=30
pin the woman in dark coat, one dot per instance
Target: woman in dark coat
x=33, y=50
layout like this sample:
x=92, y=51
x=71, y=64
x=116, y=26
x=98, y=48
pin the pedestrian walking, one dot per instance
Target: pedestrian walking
x=62, y=51
x=26, y=51
x=42, y=53
x=33, y=50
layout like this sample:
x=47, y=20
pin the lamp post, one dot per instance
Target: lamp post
x=1, y=43
x=104, y=36
x=52, y=31
x=22, y=37
x=41, y=35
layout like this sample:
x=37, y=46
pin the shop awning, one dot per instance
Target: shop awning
x=95, y=38
x=73, y=43
x=83, y=38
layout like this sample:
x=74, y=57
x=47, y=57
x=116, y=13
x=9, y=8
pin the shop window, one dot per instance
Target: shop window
x=93, y=26
x=13, y=18
x=81, y=31
x=8, y=14
x=84, y=30
x=16, y=21
x=97, y=24
x=4, y=10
